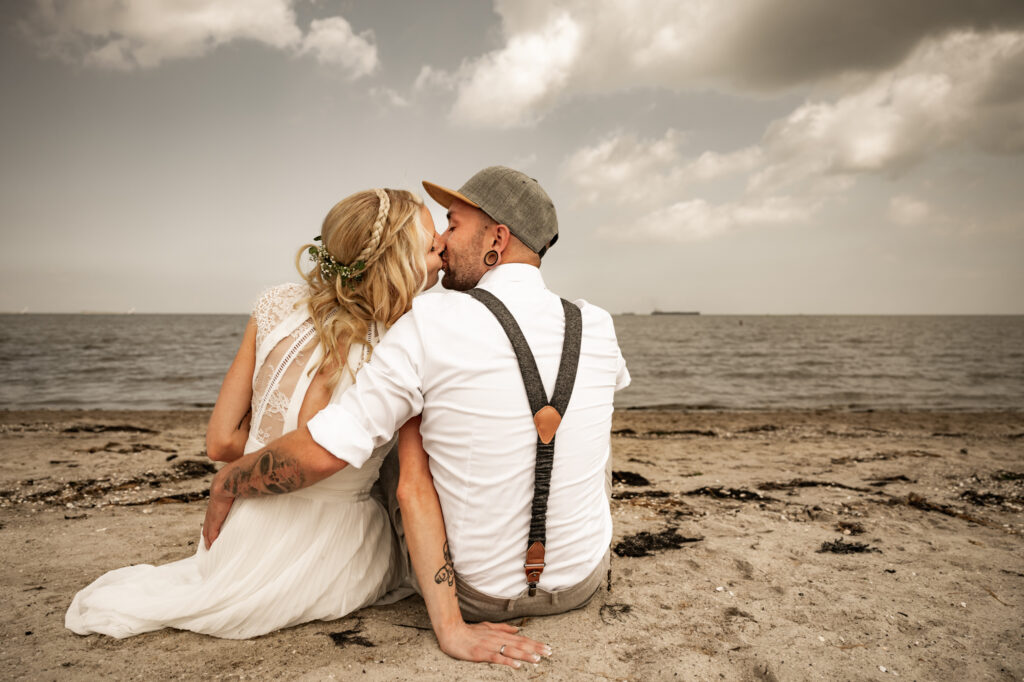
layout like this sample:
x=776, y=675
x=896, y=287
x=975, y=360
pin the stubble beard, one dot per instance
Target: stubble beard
x=460, y=276
x=454, y=282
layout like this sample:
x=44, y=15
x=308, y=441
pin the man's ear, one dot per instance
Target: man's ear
x=502, y=235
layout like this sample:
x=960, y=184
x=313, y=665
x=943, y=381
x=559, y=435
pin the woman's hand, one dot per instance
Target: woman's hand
x=216, y=511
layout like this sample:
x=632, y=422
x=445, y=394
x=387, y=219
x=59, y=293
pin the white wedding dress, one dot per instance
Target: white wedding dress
x=314, y=554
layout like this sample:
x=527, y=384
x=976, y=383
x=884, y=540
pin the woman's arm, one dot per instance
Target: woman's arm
x=229, y=424
x=432, y=563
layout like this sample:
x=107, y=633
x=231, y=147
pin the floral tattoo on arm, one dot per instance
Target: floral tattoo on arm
x=447, y=572
x=272, y=473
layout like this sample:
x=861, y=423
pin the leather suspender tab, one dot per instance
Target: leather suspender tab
x=534, y=565
x=547, y=420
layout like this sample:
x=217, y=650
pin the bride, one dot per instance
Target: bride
x=327, y=550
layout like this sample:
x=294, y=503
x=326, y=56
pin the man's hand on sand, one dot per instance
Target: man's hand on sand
x=492, y=643
x=216, y=511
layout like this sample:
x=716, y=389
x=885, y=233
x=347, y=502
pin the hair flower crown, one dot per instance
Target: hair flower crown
x=330, y=268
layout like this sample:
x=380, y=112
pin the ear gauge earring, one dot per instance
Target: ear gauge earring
x=491, y=258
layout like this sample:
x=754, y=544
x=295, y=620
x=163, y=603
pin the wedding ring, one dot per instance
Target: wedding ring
x=501, y=651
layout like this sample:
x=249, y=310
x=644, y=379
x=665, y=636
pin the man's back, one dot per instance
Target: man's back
x=479, y=431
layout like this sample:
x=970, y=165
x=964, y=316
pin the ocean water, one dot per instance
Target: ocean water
x=740, y=362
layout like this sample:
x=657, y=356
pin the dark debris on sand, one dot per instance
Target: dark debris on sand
x=723, y=493
x=884, y=456
x=635, y=494
x=94, y=488
x=662, y=433
x=918, y=502
x=841, y=547
x=644, y=543
x=629, y=478
x=108, y=428
x=805, y=483
x=983, y=499
x=614, y=612
x=350, y=636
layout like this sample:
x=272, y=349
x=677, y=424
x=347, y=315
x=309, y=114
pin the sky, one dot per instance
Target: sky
x=742, y=157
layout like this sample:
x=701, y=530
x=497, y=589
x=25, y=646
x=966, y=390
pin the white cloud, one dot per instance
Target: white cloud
x=506, y=88
x=906, y=210
x=389, y=97
x=957, y=90
x=624, y=168
x=429, y=77
x=333, y=42
x=114, y=34
x=696, y=219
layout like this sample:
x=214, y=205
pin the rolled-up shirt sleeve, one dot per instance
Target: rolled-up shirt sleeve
x=387, y=393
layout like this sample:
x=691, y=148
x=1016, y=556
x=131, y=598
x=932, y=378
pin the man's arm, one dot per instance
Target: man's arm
x=346, y=431
x=432, y=562
x=291, y=462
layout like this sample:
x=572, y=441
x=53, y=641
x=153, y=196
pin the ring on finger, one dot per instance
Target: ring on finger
x=501, y=651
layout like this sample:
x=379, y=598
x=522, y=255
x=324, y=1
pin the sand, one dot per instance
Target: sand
x=729, y=510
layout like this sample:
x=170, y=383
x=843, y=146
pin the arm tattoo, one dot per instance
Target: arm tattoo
x=272, y=473
x=447, y=572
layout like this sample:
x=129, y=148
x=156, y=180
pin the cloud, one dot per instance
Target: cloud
x=906, y=210
x=696, y=219
x=624, y=168
x=940, y=97
x=119, y=35
x=510, y=87
x=389, y=98
x=555, y=50
x=333, y=42
x=963, y=89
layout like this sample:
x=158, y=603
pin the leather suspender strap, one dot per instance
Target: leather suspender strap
x=547, y=415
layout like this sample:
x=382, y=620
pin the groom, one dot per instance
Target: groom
x=450, y=359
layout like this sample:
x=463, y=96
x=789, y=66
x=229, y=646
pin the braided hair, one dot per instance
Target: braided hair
x=381, y=230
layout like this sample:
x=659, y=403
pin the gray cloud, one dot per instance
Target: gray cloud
x=553, y=51
x=782, y=43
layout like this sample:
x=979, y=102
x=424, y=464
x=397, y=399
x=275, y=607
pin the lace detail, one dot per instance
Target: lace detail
x=274, y=305
x=270, y=426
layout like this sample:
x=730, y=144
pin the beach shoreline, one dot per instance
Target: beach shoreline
x=720, y=517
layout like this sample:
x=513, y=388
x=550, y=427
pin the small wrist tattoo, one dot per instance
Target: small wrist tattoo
x=447, y=572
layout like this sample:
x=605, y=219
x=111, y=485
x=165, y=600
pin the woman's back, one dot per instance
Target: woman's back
x=287, y=353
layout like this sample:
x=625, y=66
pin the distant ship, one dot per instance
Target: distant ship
x=675, y=312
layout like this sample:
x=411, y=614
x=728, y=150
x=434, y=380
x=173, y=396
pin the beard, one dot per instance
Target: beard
x=459, y=281
x=462, y=272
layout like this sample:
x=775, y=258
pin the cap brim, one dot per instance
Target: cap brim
x=445, y=196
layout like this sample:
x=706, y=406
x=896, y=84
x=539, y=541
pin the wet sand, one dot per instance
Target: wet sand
x=789, y=545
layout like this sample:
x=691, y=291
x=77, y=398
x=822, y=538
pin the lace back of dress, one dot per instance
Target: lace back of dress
x=275, y=381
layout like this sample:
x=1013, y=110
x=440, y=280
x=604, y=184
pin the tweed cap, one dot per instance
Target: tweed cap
x=512, y=199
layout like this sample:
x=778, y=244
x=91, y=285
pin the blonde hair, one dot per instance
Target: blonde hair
x=382, y=229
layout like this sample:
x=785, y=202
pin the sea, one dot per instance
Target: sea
x=746, y=362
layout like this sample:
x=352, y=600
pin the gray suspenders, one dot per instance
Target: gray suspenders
x=547, y=415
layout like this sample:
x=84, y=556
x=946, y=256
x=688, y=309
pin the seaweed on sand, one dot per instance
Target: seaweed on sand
x=645, y=543
x=722, y=493
x=629, y=478
x=840, y=547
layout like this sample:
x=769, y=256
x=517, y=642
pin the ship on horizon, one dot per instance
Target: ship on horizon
x=675, y=312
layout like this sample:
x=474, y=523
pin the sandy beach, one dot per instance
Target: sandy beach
x=788, y=545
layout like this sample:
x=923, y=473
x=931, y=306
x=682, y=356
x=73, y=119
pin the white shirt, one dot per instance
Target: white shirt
x=449, y=358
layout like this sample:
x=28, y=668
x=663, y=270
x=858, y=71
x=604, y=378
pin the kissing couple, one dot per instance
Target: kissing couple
x=495, y=504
